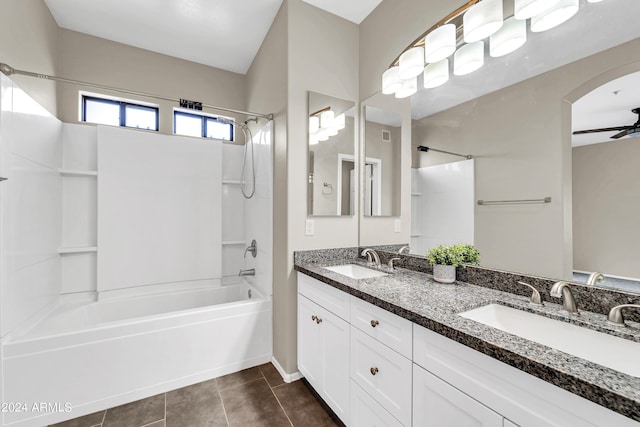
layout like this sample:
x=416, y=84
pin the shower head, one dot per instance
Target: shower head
x=251, y=119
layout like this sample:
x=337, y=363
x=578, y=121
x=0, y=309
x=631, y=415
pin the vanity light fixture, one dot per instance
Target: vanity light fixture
x=324, y=124
x=482, y=20
x=477, y=20
x=554, y=16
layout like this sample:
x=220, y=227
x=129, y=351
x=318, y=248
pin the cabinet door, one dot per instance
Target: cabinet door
x=438, y=404
x=334, y=334
x=309, y=342
x=366, y=412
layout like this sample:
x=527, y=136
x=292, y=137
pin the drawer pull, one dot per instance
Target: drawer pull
x=374, y=323
x=373, y=370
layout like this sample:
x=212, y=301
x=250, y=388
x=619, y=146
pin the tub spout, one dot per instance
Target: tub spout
x=249, y=272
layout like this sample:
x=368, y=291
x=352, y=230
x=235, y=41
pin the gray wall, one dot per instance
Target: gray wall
x=606, y=202
x=29, y=41
x=389, y=153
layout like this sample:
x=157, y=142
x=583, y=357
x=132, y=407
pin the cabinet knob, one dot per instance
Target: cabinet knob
x=314, y=317
x=373, y=370
x=318, y=320
x=374, y=323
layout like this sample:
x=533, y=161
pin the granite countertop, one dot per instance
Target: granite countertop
x=416, y=297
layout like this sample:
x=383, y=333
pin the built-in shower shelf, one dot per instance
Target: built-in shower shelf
x=233, y=242
x=76, y=172
x=77, y=249
x=231, y=182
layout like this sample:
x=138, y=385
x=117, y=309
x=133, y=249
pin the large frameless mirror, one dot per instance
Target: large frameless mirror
x=332, y=176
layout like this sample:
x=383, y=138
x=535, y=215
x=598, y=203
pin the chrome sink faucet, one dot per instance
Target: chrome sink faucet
x=563, y=290
x=372, y=257
x=615, y=314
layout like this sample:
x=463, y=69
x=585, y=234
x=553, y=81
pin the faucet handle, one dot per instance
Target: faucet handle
x=535, y=295
x=391, y=261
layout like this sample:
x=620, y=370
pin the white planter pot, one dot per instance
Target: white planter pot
x=444, y=273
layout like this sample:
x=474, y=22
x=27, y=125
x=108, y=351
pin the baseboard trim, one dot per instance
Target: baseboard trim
x=288, y=378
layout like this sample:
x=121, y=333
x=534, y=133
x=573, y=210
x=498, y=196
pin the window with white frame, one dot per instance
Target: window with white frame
x=202, y=125
x=115, y=112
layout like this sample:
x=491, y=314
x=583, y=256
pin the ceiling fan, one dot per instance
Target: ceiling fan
x=630, y=130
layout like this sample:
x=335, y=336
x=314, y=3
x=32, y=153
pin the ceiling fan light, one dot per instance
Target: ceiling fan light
x=482, y=19
x=509, y=38
x=436, y=74
x=558, y=14
x=391, y=81
x=525, y=9
x=468, y=58
x=411, y=63
x=409, y=87
x=440, y=43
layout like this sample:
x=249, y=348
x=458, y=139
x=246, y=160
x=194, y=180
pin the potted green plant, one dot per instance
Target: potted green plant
x=445, y=259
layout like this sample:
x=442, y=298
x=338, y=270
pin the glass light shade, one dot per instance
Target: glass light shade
x=322, y=135
x=409, y=87
x=391, y=81
x=436, y=74
x=510, y=37
x=332, y=131
x=340, y=122
x=440, y=43
x=525, y=9
x=555, y=16
x=326, y=119
x=313, y=139
x=482, y=19
x=411, y=63
x=468, y=58
x=314, y=124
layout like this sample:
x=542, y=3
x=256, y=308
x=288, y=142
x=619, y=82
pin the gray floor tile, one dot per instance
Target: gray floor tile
x=271, y=374
x=136, y=414
x=86, y=421
x=237, y=378
x=253, y=404
x=198, y=405
x=301, y=406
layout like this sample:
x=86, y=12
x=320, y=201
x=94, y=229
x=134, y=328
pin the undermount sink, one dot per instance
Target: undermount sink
x=598, y=347
x=356, y=271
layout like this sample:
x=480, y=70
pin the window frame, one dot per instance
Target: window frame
x=123, y=104
x=204, y=118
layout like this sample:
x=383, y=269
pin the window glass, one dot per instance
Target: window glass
x=219, y=130
x=187, y=124
x=137, y=116
x=101, y=111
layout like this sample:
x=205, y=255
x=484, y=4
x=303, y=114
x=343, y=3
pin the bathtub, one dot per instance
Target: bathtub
x=89, y=356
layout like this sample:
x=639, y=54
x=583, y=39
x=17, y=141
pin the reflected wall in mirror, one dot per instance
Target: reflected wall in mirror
x=382, y=139
x=521, y=141
x=332, y=172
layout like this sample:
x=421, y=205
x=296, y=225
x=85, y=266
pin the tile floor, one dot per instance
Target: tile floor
x=253, y=397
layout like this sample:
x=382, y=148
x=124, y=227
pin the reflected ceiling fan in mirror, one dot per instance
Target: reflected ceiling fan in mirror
x=631, y=130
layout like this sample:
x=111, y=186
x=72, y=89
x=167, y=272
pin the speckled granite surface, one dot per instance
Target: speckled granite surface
x=416, y=297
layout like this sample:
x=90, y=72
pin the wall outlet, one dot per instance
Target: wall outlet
x=397, y=226
x=310, y=227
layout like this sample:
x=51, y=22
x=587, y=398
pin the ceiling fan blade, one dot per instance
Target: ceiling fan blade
x=618, y=128
x=621, y=134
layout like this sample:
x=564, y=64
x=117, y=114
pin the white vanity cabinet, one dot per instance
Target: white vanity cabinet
x=323, y=343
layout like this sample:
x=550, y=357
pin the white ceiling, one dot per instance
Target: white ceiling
x=609, y=105
x=225, y=34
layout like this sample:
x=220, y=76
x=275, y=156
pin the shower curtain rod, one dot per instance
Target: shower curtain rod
x=425, y=149
x=8, y=70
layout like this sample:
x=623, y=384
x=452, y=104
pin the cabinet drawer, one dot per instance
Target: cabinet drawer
x=366, y=412
x=386, y=327
x=324, y=295
x=383, y=373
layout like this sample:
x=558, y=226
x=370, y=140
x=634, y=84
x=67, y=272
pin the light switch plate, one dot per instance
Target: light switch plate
x=397, y=226
x=310, y=227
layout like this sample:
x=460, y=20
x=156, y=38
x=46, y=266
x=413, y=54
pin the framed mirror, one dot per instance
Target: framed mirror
x=332, y=173
x=382, y=148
